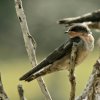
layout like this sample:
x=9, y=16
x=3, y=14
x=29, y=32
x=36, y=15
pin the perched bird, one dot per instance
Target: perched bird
x=59, y=59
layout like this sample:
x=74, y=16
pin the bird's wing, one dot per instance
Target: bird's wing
x=57, y=54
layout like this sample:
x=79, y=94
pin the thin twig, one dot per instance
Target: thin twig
x=93, y=25
x=89, y=17
x=71, y=71
x=93, y=17
x=92, y=90
x=30, y=44
x=3, y=95
x=21, y=92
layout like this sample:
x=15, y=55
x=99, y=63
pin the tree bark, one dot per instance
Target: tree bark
x=3, y=95
x=92, y=90
x=30, y=45
x=21, y=92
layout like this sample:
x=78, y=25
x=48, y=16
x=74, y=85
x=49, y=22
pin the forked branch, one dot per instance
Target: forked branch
x=30, y=44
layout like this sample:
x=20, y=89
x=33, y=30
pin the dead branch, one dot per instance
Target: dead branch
x=30, y=44
x=71, y=72
x=21, y=92
x=3, y=95
x=93, y=17
x=93, y=25
x=92, y=90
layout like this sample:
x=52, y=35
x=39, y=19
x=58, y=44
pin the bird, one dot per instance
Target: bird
x=59, y=59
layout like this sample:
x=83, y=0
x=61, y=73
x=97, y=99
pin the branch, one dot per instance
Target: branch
x=30, y=44
x=21, y=92
x=3, y=95
x=92, y=90
x=93, y=17
x=71, y=71
x=93, y=25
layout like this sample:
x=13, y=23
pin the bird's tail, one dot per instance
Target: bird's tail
x=36, y=69
x=42, y=72
x=47, y=70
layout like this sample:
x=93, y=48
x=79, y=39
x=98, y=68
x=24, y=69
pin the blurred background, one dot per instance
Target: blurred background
x=42, y=17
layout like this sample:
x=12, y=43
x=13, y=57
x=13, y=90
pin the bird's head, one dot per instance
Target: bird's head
x=82, y=31
x=78, y=30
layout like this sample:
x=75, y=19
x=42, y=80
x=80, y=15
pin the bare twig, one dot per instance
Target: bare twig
x=93, y=17
x=21, y=92
x=3, y=95
x=93, y=25
x=90, y=17
x=92, y=90
x=71, y=71
x=30, y=45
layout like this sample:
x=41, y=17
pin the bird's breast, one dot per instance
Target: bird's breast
x=81, y=55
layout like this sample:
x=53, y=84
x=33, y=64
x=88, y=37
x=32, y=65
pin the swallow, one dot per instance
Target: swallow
x=59, y=59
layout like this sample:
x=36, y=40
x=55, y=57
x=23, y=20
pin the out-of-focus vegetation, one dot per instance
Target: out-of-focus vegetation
x=41, y=16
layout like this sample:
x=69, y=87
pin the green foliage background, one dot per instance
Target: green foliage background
x=42, y=16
